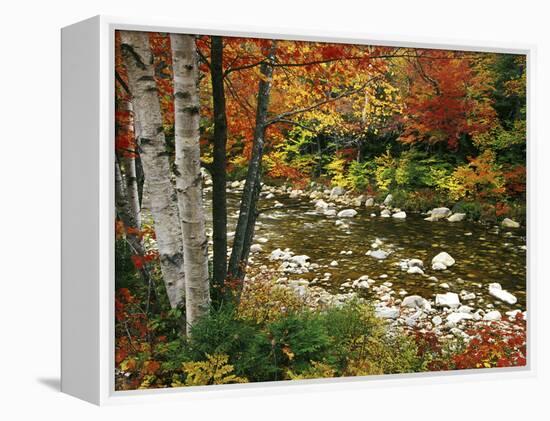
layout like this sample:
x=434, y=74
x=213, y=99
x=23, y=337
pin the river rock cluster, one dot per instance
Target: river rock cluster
x=448, y=314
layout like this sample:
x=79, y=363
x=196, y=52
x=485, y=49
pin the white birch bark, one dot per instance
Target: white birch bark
x=188, y=177
x=156, y=164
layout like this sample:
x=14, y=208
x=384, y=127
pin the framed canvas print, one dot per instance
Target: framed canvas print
x=244, y=210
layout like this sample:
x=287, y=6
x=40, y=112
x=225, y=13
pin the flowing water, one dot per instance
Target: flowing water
x=483, y=254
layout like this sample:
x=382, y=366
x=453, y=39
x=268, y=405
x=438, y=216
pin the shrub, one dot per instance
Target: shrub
x=262, y=300
x=494, y=346
x=222, y=332
x=473, y=210
x=349, y=328
x=215, y=370
x=297, y=340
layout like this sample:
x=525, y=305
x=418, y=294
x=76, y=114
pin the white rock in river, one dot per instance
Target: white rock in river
x=270, y=196
x=437, y=320
x=330, y=212
x=399, y=215
x=337, y=191
x=513, y=313
x=334, y=263
x=388, y=199
x=379, y=254
x=321, y=205
x=414, y=301
x=363, y=285
x=456, y=217
x=415, y=262
x=439, y=266
x=492, y=316
x=450, y=299
x=385, y=213
x=444, y=258
x=279, y=254
x=458, y=317
x=415, y=270
x=369, y=202
x=495, y=289
x=508, y=223
x=384, y=312
x=440, y=213
x=469, y=296
x=301, y=259
x=347, y=213
x=235, y=184
x=255, y=248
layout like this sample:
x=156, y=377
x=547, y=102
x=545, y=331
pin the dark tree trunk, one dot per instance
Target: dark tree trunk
x=218, y=167
x=244, y=232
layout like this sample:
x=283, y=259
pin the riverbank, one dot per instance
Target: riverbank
x=449, y=310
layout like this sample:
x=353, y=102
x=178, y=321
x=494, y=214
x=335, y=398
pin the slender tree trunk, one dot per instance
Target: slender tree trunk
x=128, y=217
x=188, y=177
x=218, y=168
x=128, y=161
x=156, y=164
x=244, y=232
x=124, y=211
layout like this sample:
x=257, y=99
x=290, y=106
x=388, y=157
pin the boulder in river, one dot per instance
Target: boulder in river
x=492, y=316
x=399, y=215
x=301, y=259
x=255, y=248
x=416, y=262
x=337, y=191
x=440, y=213
x=415, y=270
x=388, y=200
x=321, y=205
x=379, y=254
x=455, y=318
x=279, y=254
x=509, y=223
x=384, y=312
x=415, y=301
x=443, y=258
x=456, y=217
x=369, y=202
x=385, y=213
x=347, y=213
x=495, y=289
x=450, y=299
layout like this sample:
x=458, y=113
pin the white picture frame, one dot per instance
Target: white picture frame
x=88, y=211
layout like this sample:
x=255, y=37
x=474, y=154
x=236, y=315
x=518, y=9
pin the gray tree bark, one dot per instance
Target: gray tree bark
x=244, y=231
x=218, y=167
x=188, y=177
x=156, y=165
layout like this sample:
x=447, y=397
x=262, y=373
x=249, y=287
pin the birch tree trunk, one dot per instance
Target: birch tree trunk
x=244, y=232
x=218, y=168
x=188, y=177
x=156, y=165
